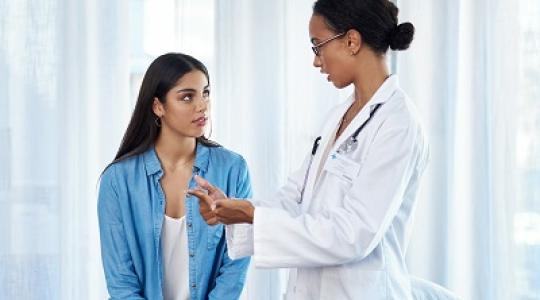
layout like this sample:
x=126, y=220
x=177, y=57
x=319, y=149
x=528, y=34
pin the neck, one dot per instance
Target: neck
x=173, y=150
x=369, y=79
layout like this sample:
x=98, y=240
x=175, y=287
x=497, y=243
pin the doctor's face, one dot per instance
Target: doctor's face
x=332, y=58
x=186, y=108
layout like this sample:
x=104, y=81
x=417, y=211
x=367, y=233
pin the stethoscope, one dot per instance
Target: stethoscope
x=349, y=145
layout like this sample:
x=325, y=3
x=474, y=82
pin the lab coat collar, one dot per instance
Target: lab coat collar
x=383, y=94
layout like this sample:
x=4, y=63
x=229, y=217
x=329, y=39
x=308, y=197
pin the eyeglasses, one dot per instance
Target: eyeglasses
x=317, y=48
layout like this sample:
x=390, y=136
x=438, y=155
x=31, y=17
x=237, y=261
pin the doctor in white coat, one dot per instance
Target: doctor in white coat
x=342, y=222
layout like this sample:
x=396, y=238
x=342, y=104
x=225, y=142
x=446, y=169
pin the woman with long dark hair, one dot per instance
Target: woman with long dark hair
x=342, y=222
x=154, y=243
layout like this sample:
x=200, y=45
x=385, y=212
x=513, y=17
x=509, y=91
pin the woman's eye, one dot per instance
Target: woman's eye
x=187, y=98
x=206, y=94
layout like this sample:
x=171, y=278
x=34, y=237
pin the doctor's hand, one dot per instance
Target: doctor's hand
x=206, y=205
x=216, y=207
x=207, y=194
x=234, y=211
x=214, y=192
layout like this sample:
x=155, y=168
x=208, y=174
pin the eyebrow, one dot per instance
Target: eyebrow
x=191, y=90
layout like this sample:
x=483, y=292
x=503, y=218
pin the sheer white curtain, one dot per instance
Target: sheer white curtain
x=465, y=72
x=63, y=92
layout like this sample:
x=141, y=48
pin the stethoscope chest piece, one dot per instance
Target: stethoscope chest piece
x=348, y=146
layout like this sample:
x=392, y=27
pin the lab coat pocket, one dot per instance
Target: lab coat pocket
x=215, y=233
x=342, y=166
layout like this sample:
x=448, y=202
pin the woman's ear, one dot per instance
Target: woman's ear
x=158, y=108
x=354, y=41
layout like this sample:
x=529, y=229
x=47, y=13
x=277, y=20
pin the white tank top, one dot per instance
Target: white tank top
x=175, y=259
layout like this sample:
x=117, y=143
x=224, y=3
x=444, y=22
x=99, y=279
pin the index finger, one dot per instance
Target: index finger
x=202, y=196
x=204, y=183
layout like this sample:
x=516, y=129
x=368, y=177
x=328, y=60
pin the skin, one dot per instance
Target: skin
x=345, y=60
x=175, y=146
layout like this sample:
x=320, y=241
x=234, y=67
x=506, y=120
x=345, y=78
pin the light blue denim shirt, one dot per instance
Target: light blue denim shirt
x=131, y=208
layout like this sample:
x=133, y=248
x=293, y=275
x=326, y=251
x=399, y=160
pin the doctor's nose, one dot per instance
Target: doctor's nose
x=317, y=61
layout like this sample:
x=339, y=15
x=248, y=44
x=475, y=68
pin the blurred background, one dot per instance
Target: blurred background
x=69, y=77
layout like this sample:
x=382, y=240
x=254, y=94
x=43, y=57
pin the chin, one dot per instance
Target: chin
x=199, y=134
x=339, y=85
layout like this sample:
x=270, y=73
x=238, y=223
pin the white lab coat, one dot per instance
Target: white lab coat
x=348, y=238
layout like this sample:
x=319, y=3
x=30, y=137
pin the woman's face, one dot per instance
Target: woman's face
x=186, y=106
x=333, y=58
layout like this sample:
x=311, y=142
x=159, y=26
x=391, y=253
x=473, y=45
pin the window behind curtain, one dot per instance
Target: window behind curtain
x=527, y=106
x=161, y=26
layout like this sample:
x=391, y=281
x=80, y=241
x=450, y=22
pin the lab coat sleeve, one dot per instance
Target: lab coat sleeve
x=240, y=236
x=338, y=235
x=122, y=281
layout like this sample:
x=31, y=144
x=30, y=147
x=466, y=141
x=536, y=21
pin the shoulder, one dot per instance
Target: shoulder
x=226, y=157
x=117, y=170
x=401, y=112
x=400, y=121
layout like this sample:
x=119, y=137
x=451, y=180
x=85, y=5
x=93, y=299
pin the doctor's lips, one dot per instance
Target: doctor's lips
x=327, y=75
x=200, y=121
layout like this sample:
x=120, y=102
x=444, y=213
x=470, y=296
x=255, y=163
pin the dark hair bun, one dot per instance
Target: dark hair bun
x=402, y=36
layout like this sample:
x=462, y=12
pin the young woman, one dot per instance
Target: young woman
x=154, y=243
x=342, y=222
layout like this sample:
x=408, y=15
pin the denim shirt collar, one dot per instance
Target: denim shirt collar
x=153, y=165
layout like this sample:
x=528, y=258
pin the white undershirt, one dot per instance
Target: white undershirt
x=175, y=258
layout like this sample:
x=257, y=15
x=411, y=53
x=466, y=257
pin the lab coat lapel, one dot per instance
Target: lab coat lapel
x=360, y=118
x=385, y=92
x=327, y=136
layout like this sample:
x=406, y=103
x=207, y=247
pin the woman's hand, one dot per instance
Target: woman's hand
x=216, y=207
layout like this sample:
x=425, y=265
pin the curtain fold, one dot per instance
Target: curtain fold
x=64, y=98
x=463, y=72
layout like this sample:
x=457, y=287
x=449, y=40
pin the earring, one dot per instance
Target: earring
x=158, y=121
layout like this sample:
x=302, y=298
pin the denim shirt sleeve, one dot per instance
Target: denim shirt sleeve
x=122, y=281
x=232, y=273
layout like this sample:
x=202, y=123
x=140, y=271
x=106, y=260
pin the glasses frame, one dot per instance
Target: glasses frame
x=317, y=48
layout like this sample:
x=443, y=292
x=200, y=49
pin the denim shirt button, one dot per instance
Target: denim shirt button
x=191, y=254
x=189, y=224
x=193, y=285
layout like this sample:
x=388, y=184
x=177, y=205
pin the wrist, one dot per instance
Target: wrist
x=250, y=212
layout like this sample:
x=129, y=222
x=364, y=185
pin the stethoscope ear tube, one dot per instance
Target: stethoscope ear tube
x=315, y=145
x=313, y=151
